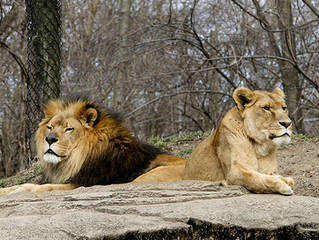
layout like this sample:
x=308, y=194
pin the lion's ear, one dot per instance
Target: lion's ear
x=52, y=108
x=279, y=92
x=90, y=116
x=243, y=97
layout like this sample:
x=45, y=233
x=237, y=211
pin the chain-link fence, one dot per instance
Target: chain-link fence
x=43, y=60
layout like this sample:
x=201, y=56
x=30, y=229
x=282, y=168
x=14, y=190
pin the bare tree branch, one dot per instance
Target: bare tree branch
x=172, y=95
x=312, y=7
x=203, y=50
x=16, y=58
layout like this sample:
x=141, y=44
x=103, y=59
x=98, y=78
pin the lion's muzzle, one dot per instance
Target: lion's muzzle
x=285, y=124
x=51, y=138
x=283, y=135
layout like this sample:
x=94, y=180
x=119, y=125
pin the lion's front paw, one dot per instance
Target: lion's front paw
x=27, y=187
x=8, y=189
x=3, y=191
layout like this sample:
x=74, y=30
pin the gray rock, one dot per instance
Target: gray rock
x=176, y=210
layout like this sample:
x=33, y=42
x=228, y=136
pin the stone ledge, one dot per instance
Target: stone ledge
x=176, y=210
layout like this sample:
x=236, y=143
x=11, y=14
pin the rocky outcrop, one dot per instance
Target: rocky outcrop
x=176, y=210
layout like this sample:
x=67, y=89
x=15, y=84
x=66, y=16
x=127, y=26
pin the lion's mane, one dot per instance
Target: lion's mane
x=105, y=153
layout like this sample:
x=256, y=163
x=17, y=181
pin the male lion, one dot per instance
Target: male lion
x=79, y=144
x=242, y=150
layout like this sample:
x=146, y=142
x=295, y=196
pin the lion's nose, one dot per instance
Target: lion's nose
x=51, y=138
x=285, y=124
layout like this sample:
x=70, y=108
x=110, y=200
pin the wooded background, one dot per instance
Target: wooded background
x=170, y=66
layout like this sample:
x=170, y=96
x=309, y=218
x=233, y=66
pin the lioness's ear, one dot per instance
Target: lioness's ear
x=52, y=108
x=279, y=92
x=90, y=116
x=242, y=97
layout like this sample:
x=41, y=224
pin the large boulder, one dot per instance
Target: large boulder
x=176, y=210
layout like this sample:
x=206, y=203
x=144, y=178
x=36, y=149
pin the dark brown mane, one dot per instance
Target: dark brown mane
x=119, y=164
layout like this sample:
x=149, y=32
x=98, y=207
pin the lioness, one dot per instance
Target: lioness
x=242, y=150
x=80, y=144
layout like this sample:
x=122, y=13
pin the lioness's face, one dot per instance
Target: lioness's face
x=60, y=136
x=266, y=116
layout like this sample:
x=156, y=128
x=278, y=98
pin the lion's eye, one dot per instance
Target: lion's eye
x=284, y=108
x=49, y=127
x=267, y=108
x=69, y=129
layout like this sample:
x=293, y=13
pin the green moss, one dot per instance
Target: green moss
x=304, y=137
x=158, y=142
x=21, y=181
x=3, y=183
x=185, y=153
x=300, y=137
x=188, y=136
x=36, y=171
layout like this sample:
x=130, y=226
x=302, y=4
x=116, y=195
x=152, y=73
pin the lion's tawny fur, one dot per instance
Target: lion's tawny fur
x=242, y=150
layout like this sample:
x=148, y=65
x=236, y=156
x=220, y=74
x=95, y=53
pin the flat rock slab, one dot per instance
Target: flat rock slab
x=175, y=210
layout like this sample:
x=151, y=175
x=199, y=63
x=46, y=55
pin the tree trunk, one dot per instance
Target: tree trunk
x=93, y=5
x=120, y=88
x=44, y=58
x=287, y=49
x=289, y=74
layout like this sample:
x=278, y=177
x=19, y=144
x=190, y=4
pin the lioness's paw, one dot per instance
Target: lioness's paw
x=287, y=190
x=289, y=181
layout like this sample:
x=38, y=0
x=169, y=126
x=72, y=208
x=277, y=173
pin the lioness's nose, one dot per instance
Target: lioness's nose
x=51, y=138
x=285, y=124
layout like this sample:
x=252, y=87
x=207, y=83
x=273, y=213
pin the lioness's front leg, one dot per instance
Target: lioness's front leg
x=257, y=182
x=31, y=187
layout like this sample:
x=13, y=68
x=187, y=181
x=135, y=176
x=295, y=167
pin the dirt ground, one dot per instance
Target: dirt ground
x=299, y=160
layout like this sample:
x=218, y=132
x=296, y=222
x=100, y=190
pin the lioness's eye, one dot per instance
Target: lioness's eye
x=284, y=108
x=49, y=127
x=267, y=108
x=69, y=129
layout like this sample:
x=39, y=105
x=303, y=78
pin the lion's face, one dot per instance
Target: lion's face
x=60, y=133
x=265, y=115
